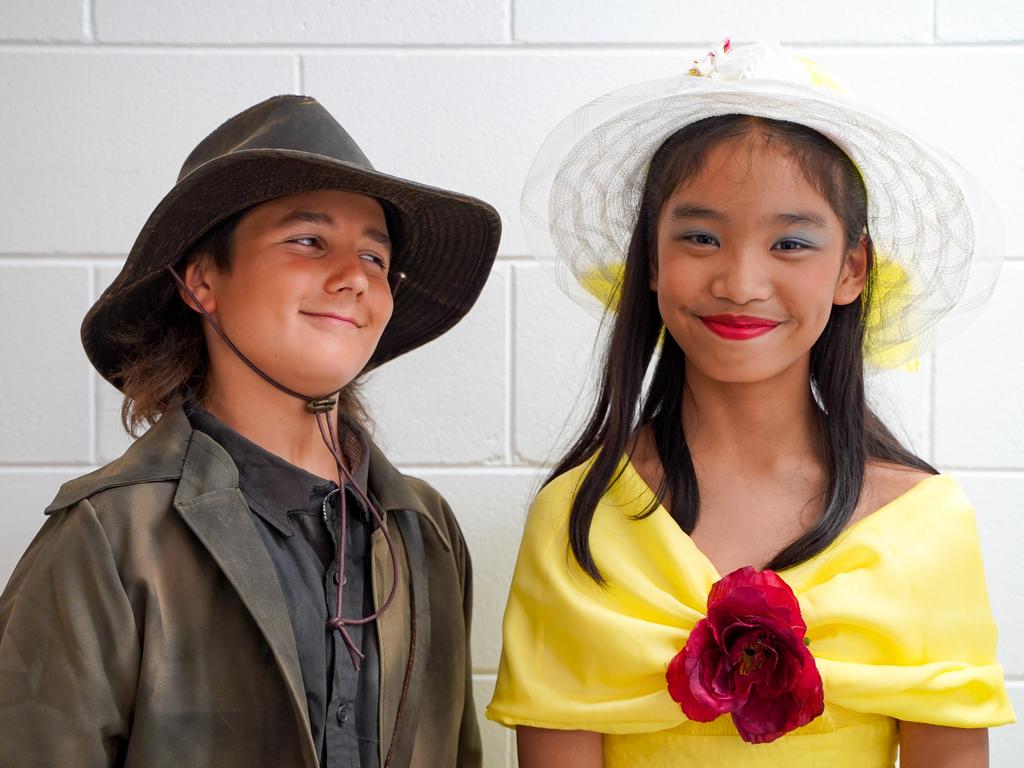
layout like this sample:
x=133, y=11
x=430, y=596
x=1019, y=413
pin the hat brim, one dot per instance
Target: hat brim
x=447, y=246
x=925, y=213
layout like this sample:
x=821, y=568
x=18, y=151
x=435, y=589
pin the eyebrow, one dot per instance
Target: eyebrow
x=802, y=217
x=320, y=217
x=375, y=234
x=696, y=212
x=310, y=217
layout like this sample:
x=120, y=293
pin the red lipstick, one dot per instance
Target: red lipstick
x=738, y=327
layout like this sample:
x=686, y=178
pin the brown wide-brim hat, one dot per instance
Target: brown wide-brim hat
x=446, y=241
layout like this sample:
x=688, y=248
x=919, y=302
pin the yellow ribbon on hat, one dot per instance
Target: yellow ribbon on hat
x=892, y=291
x=604, y=284
x=821, y=76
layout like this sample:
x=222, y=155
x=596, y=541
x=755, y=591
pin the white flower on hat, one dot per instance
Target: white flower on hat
x=761, y=61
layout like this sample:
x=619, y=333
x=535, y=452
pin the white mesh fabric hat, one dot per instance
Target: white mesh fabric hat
x=937, y=236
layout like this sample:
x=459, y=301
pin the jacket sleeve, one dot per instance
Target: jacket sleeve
x=69, y=650
x=470, y=747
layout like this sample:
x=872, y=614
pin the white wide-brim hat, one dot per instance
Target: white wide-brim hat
x=938, y=238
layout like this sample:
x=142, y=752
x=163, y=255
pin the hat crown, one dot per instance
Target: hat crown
x=294, y=123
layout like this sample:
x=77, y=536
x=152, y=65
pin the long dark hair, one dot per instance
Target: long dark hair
x=850, y=432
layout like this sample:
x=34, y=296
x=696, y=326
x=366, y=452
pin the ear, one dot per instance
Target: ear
x=854, y=274
x=196, y=277
x=652, y=268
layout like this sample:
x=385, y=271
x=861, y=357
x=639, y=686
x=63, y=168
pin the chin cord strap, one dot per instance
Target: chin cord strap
x=321, y=408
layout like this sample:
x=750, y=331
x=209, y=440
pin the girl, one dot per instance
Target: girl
x=737, y=563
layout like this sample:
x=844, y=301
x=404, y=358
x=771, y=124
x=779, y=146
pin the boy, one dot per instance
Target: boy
x=253, y=583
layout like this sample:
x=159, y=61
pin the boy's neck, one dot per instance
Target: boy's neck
x=275, y=421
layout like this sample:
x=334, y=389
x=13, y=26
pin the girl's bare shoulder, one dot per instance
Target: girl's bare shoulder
x=884, y=483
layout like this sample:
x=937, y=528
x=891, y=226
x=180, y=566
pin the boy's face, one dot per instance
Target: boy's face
x=307, y=295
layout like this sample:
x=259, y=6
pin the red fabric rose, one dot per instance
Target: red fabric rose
x=748, y=658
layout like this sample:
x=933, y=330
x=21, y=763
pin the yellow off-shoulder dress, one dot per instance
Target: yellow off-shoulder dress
x=896, y=609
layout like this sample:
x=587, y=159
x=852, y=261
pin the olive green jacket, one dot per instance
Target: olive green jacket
x=145, y=625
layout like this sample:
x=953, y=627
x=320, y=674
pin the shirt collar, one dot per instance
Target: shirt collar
x=272, y=486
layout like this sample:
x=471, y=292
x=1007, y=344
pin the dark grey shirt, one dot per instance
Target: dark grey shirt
x=289, y=509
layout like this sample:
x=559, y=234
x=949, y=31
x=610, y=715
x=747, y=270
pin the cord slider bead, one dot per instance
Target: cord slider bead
x=323, y=405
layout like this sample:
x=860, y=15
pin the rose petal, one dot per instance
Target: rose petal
x=762, y=719
x=684, y=670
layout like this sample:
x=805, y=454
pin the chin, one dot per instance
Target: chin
x=745, y=377
x=311, y=378
x=333, y=383
x=739, y=366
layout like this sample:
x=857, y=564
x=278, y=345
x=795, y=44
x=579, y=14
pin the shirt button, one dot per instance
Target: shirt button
x=344, y=713
x=337, y=578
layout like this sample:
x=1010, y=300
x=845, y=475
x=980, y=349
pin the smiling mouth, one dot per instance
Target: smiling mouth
x=738, y=327
x=329, y=317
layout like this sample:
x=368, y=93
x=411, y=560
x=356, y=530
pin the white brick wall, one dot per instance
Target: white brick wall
x=102, y=99
x=672, y=22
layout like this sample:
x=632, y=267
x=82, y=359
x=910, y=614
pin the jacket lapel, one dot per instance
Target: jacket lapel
x=212, y=506
x=419, y=645
x=404, y=632
x=404, y=629
x=393, y=630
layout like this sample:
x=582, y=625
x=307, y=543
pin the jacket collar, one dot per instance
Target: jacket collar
x=158, y=455
x=388, y=487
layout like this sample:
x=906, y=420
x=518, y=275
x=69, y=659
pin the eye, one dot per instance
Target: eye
x=375, y=259
x=791, y=245
x=699, y=238
x=308, y=241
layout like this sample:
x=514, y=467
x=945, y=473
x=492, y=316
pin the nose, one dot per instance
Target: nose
x=741, y=276
x=345, y=272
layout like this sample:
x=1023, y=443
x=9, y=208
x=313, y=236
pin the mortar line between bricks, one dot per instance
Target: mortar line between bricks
x=300, y=75
x=94, y=448
x=512, y=21
x=510, y=365
x=65, y=258
x=88, y=21
x=497, y=48
x=475, y=469
x=59, y=259
x=42, y=469
x=532, y=467
x=523, y=470
x=932, y=408
x=976, y=471
x=935, y=21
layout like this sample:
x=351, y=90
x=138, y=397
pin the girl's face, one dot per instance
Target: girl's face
x=750, y=260
x=307, y=294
